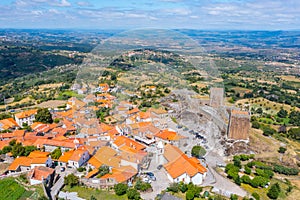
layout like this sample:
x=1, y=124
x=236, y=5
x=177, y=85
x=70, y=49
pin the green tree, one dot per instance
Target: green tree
x=56, y=153
x=6, y=149
x=234, y=197
x=189, y=195
x=174, y=187
x=12, y=142
x=255, y=124
x=259, y=181
x=198, y=151
x=104, y=169
x=71, y=180
x=29, y=149
x=295, y=118
x=246, y=179
x=133, y=194
x=274, y=191
x=282, y=113
x=43, y=198
x=43, y=115
x=93, y=198
x=256, y=196
x=294, y=133
x=281, y=150
x=120, y=189
x=183, y=187
x=4, y=115
x=195, y=189
x=247, y=170
x=259, y=110
x=267, y=131
x=18, y=150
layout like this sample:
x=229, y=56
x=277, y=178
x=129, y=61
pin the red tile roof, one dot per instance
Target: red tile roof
x=26, y=114
x=122, y=140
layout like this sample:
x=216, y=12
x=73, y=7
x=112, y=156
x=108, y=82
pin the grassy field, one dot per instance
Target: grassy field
x=264, y=104
x=290, y=78
x=86, y=193
x=25, y=100
x=10, y=189
x=241, y=90
x=71, y=94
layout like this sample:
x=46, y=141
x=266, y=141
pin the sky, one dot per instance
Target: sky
x=168, y=14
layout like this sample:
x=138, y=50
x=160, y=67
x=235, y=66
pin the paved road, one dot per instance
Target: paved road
x=69, y=195
x=60, y=183
x=57, y=186
x=221, y=184
x=161, y=183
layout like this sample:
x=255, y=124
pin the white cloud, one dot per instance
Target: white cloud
x=84, y=4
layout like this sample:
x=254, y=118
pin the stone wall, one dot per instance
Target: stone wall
x=239, y=125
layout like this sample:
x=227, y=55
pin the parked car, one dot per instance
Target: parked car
x=179, y=126
x=151, y=176
x=62, y=169
x=146, y=180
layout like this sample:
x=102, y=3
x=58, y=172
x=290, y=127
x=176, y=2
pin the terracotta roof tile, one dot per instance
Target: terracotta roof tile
x=169, y=135
x=26, y=114
x=38, y=154
x=21, y=161
x=40, y=172
x=122, y=140
x=8, y=123
x=184, y=165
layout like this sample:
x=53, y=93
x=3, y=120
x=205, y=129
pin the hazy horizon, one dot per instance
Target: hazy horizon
x=269, y=15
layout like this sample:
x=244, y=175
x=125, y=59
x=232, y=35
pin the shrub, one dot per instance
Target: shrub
x=264, y=173
x=120, y=189
x=198, y=151
x=133, y=194
x=237, y=163
x=81, y=169
x=195, y=189
x=281, y=150
x=285, y=170
x=255, y=124
x=274, y=191
x=259, y=181
x=142, y=186
x=234, y=197
x=267, y=131
x=103, y=170
x=71, y=180
x=189, y=195
x=174, y=187
x=183, y=187
x=230, y=166
x=232, y=174
x=246, y=179
x=256, y=196
x=247, y=170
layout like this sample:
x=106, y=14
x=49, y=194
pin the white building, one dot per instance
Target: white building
x=182, y=168
x=27, y=117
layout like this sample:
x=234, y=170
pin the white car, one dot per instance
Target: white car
x=146, y=180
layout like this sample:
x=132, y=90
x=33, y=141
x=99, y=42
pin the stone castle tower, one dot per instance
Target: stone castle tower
x=239, y=125
x=216, y=97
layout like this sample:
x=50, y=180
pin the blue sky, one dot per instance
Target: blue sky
x=128, y=14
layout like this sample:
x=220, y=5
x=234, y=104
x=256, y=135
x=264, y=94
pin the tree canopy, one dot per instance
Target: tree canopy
x=44, y=115
x=71, y=180
x=198, y=151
